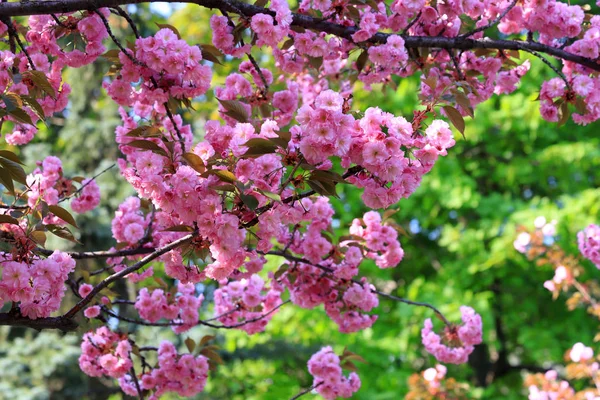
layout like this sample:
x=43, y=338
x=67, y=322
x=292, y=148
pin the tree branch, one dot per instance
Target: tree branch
x=61, y=323
x=290, y=257
x=150, y=257
x=305, y=21
x=81, y=255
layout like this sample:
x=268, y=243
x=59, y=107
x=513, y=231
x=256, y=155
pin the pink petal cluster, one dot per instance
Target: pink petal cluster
x=381, y=240
x=329, y=380
x=129, y=224
x=88, y=198
x=457, y=341
x=42, y=182
x=167, y=66
x=182, y=307
x=246, y=300
x=182, y=374
x=104, y=352
x=589, y=243
x=37, y=286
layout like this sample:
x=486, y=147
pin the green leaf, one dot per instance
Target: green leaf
x=362, y=59
x=206, y=339
x=211, y=355
x=39, y=237
x=348, y=365
x=112, y=55
x=223, y=175
x=211, y=53
x=34, y=106
x=179, y=228
x=145, y=131
x=270, y=195
x=63, y=214
x=281, y=270
x=327, y=176
x=12, y=101
x=7, y=180
x=62, y=232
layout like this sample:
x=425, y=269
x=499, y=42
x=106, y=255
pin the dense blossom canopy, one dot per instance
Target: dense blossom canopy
x=256, y=188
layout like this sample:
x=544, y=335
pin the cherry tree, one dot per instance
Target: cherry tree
x=256, y=188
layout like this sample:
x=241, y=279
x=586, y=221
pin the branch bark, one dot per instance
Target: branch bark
x=304, y=21
x=65, y=322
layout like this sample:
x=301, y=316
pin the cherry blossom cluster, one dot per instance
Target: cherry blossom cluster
x=182, y=374
x=88, y=198
x=129, y=224
x=167, y=66
x=457, y=342
x=105, y=352
x=182, y=307
x=246, y=300
x=44, y=183
x=582, y=366
x=329, y=380
x=381, y=240
x=47, y=184
x=46, y=56
x=589, y=243
x=242, y=190
x=86, y=29
x=36, y=285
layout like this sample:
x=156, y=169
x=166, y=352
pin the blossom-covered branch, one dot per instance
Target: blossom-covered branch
x=304, y=21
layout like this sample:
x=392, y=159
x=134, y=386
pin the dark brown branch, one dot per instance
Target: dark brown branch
x=199, y=322
x=305, y=21
x=14, y=35
x=81, y=255
x=133, y=268
x=87, y=183
x=305, y=391
x=60, y=323
x=129, y=20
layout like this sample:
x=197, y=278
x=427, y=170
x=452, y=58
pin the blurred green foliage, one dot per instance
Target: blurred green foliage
x=511, y=167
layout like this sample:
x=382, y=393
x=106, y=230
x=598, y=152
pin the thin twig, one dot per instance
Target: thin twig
x=461, y=76
x=117, y=42
x=132, y=24
x=87, y=183
x=305, y=391
x=492, y=23
x=412, y=23
x=290, y=257
x=116, y=276
x=15, y=35
x=81, y=255
x=552, y=67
